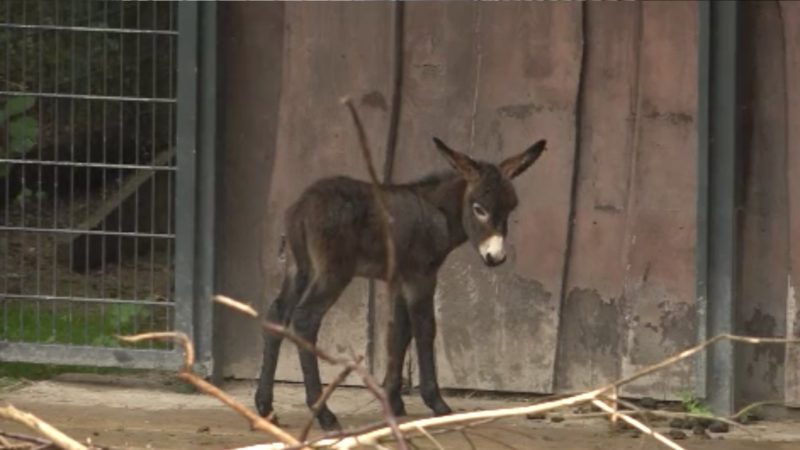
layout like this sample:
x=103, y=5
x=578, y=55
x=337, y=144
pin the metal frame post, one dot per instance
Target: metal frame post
x=718, y=153
x=195, y=194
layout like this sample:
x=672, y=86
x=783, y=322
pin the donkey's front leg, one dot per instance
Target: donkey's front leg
x=423, y=325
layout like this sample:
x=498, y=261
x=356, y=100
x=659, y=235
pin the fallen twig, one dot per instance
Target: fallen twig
x=369, y=381
x=637, y=424
x=374, y=436
x=186, y=374
x=325, y=396
x=57, y=437
x=25, y=438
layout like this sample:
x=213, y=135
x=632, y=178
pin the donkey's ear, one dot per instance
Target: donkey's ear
x=515, y=165
x=465, y=165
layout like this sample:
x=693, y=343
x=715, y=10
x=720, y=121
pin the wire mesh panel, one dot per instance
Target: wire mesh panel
x=87, y=177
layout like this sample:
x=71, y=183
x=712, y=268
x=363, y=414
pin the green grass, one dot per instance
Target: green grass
x=693, y=405
x=93, y=325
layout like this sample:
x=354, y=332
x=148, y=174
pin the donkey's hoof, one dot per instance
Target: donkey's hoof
x=398, y=408
x=328, y=421
x=264, y=407
x=397, y=405
x=441, y=409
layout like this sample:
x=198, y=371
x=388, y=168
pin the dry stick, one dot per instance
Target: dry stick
x=326, y=393
x=374, y=435
x=391, y=259
x=646, y=413
x=369, y=381
x=34, y=423
x=430, y=438
x=186, y=374
x=386, y=218
x=642, y=427
x=25, y=438
x=699, y=347
x=752, y=406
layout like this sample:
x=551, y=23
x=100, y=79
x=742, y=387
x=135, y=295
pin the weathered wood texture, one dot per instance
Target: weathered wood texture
x=600, y=280
x=764, y=234
x=790, y=26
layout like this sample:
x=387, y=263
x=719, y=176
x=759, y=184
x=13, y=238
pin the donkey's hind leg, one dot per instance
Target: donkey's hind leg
x=279, y=312
x=307, y=319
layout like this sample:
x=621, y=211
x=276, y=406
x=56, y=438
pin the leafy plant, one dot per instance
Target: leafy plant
x=22, y=129
x=693, y=405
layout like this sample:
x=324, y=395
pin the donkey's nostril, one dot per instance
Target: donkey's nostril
x=492, y=261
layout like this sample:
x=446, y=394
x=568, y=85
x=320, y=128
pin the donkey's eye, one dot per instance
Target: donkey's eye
x=480, y=212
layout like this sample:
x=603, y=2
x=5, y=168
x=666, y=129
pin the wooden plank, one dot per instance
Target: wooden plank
x=468, y=86
x=790, y=13
x=589, y=335
x=764, y=234
x=438, y=89
x=251, y=70
x=330, y=50
x=659, y=308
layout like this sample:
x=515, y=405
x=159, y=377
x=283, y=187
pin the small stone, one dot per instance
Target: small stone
x=648, y=403
x=744, y=420
x=691, y=422
x=719, y=427
x=698, y=430
x=535, y=416
x=704, y=422
x=204, y=429
x=624, y=426
x=677, y=423
x=555, y=418
x=676, y=434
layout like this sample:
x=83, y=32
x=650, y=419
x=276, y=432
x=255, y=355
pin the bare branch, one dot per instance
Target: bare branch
x=324, y=397
x=373, y=386
x=180, y=338
x=376, y=435
x=430, y=438
x=698, y=348
x=9, y=412
x=753, y=406
x=639, y=425
x=186, y=374
x=25, y=438
x=380, y=199
x=237, y=305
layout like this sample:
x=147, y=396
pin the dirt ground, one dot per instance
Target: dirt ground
x=149, y=411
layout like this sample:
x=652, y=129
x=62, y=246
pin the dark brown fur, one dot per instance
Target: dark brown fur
x=334, y=233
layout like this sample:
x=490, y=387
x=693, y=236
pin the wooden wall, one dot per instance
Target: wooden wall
x=601, y=275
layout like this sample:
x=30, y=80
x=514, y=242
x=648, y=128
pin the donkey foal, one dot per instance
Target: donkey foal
x=334, y=233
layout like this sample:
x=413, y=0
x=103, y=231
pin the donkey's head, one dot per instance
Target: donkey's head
x=489, y=197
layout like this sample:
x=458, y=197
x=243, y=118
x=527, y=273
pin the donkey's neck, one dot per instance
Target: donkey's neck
x=445, y=192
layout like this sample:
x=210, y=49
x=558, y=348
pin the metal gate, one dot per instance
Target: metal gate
x=97, y=185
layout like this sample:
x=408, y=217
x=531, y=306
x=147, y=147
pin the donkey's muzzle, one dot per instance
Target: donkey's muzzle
x=492, y=262
x=492, y=250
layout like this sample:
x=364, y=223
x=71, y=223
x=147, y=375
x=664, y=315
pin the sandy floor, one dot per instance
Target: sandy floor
x=149, y=412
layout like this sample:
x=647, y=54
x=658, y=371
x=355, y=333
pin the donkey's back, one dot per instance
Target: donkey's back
x=336, y=225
